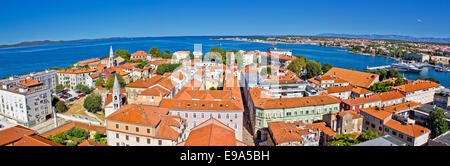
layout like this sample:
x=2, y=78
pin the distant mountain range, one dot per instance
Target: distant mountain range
x=373, y=36
x=389, y=37
x=33, y=43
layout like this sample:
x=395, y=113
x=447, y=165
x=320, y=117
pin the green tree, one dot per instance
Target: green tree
x=110, y=82
x=71, y=137
x=123, y=53
x=212, y=88
x=93, y=103
x=99, y=82
x=59, y=88
x=167, y=55
x=343, y=140
x=368, y=135
x=54, y=100
x=437, y=122
x=141, y=65
x=400, y=81
x=168, y=67
x=326, y=67
x=60, y=106
x=155, y=52
x=313, y=69
x=381, y=87
x=99, y=138
x=297, y=65
x=83, y=88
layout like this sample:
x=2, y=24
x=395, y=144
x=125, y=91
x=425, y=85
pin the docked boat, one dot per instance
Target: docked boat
x=405, y=67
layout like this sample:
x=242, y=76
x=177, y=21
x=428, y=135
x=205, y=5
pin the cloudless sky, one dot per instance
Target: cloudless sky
x=31, y=20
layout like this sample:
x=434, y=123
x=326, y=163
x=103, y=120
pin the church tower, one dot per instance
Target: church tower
x=117, y=96
x=111, y=62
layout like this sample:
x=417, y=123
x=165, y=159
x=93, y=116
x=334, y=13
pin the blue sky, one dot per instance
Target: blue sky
x=30, y=20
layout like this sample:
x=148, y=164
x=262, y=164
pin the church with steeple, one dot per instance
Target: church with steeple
x=114, y=100
x=112, y=62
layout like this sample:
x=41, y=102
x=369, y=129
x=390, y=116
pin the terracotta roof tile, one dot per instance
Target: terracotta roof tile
x=362, y=100
x=384, y=112
x=408, y=129
x=13, y=134
x=35, y=140
x=139, y=114
x=141, y=83
x=415, y=86
x=338, y=89
x=212, y=132
x=386, y=96
x=30, y=82
x=261, y=101
x=361, y=79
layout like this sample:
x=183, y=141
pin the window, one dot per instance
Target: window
x=409, y=139
x=117, y=126
x=137, y=139
x=117, y=135
x=400, y=135
x=148, y=141
x=126, y=137
x=228, y=116
x=203, y=115
x=159, y=142
x=394, y=133
x=235, y=116
x=288, y=113
x=186, y=115
x=218, y=116
x=117, y=144
x=381, y=122
x=148, y=130
x=126, y=127
x=379, y=128
x=137, y=129
x=386, y=129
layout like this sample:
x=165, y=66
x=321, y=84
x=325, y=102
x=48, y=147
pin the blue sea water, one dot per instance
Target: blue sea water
x=22, y=60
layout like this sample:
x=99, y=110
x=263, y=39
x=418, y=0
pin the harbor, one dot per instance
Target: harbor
x=412, y=67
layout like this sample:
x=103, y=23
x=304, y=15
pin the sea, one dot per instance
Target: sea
x=23, y=60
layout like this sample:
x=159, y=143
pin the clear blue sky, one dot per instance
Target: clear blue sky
x=30, y=20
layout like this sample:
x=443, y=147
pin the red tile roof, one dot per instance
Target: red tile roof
x=35, y=140
x=361, y=79
x=384, y=112
x=212, y=132
x=13, y=134
x=76, y=71
x=338, y=89
x=360, y=90
x=30, y=82
x=386, y=96
x=139, y=114
x=408, y=129
x=141, y=83
x=415, y=86
x=362, y=100
x=263, y=102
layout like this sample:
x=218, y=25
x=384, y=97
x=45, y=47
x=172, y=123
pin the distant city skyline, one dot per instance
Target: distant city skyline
x=70, y=20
